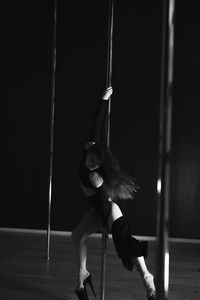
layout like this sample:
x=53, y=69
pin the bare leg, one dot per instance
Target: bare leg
x=115, y=213
x=146, y=276
x=90, y=223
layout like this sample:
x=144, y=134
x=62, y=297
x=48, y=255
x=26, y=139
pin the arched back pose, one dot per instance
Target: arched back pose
x=103, y=183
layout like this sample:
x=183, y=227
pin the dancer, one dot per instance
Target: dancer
x=104, y=183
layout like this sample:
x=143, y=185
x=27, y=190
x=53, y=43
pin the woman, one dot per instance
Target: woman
x=103, y=183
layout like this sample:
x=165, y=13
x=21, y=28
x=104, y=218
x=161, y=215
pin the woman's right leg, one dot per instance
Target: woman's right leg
x=147, y=277
x=119, y=236
x=89, y=224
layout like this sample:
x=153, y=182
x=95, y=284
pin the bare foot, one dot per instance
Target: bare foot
x=148, y=281
x=82, y=276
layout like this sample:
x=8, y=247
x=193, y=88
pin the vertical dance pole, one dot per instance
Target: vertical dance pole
x=52, y=127
x=107, y=133
x=109, y=65
x=164, y=163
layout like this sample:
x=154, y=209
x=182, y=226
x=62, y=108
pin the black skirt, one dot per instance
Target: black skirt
x=127, y=247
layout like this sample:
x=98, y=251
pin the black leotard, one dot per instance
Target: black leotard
x=99, y=201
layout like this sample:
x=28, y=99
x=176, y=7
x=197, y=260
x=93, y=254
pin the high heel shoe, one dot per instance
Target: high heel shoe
x=82, y=292
x=89, y=281
x=152, y=297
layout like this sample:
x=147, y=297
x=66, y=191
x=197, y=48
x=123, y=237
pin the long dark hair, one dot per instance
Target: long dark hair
x=117, y=183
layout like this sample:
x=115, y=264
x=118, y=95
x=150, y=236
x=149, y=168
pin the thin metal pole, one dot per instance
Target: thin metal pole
x=109, y=65
x=108, y=83
x=52, y=127
x=164, y=163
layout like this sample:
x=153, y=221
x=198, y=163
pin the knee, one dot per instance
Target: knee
x=115, y=213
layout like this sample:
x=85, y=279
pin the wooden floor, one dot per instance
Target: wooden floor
x=26, y=275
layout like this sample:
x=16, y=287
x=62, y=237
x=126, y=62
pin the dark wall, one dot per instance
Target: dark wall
x=25, y=113
x=80, y=80
x=185, y=204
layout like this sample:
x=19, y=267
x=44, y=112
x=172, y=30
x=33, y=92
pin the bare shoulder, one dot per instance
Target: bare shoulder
x=96, y=179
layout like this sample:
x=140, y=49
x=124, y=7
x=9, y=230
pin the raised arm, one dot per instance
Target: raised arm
x=99, y=121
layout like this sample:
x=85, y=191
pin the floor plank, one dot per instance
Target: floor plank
x=25, y=273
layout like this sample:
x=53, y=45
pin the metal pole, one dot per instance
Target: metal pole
x=108, y=83
x=52, y=127
x=164, y=163
x=109, y=65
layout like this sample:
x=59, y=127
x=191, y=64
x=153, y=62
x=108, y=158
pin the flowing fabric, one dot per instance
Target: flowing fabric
x=127, y=246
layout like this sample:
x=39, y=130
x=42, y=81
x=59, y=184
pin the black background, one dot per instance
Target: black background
x=80, y=80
